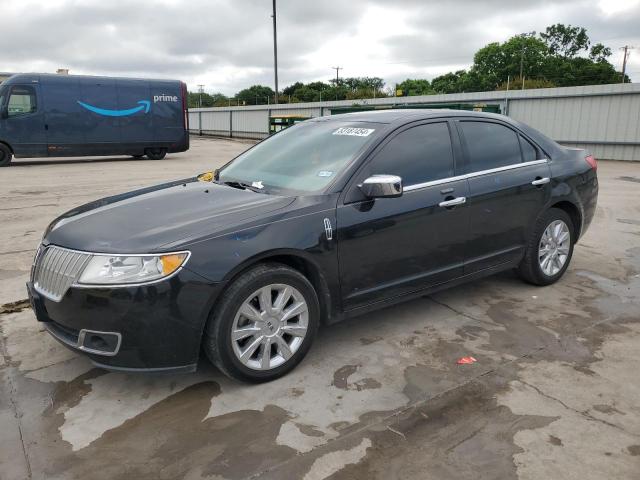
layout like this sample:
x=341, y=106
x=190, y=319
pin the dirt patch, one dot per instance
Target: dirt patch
x=14, y=307
x=170, y=440
x=341, y=376
x=608, y=409
x=553, y=440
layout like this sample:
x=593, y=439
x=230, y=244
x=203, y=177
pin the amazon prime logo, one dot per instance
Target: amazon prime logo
x=328, y=229
x=164, y=98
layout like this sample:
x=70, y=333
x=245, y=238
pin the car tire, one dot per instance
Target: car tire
x=549, y=249
x=271, y=359
x=5, y=155
x=155, y=153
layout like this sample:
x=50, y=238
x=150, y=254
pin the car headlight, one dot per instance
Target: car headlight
x=124, y=269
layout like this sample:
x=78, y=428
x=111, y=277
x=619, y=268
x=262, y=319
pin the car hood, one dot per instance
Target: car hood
x=145, y=220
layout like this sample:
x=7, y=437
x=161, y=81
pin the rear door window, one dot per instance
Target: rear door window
x=22, y=100
x=417, y=155
x=490, y=145
x=529, y=152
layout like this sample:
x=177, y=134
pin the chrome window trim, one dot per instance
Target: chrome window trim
x=418, y=186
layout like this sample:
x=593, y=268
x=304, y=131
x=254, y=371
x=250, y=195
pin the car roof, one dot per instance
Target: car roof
x=402, y=115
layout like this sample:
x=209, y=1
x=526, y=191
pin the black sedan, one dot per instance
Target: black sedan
x=330, y=218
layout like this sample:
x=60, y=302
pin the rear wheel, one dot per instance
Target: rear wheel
x=5, y=155
x=549, y=249
x=155, y=153
x=264, y=324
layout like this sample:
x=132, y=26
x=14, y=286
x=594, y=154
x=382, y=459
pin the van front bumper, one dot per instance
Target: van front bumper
x=155, y=327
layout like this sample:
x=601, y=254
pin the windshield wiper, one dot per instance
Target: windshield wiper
x=243, y=186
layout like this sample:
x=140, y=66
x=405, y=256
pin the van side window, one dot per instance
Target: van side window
x=529, y=152
x=490, y=145
x=417, y=155
x=22, y=100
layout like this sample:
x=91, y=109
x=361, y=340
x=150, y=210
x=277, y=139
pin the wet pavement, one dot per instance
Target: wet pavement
x=553, y=394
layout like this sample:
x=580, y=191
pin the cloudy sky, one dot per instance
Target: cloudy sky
x=227, y=44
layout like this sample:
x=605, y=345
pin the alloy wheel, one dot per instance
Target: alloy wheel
x=270, y=326
x=553, y=250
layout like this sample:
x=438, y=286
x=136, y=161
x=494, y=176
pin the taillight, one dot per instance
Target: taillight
x=185, y=110
x=591, y=160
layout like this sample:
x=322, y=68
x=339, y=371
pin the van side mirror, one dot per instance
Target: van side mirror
x=382, y=186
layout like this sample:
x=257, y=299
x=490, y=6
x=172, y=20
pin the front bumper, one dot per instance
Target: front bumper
x=155, y=327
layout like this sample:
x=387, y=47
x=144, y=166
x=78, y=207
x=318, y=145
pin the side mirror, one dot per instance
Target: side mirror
x=382, y=186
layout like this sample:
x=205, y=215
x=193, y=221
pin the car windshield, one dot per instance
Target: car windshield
x=303, y=158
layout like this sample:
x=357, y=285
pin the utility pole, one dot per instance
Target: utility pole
x=275, y=50
x=522, y=63
x=524, y=48
x=200, y=91
x=337, y=69
x=627, y=52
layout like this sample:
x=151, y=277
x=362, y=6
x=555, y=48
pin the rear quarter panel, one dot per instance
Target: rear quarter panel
x=574, y=180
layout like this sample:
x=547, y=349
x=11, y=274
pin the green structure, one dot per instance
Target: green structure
x=280, y=122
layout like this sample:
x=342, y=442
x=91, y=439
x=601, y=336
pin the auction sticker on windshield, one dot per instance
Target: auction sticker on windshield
x=354, y=132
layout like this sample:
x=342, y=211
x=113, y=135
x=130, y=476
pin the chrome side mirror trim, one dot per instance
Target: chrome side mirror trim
x=382, y=186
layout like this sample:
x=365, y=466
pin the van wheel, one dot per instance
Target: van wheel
x=549, y=249
x=5, y=155
x=263, y=325
x=155, y=153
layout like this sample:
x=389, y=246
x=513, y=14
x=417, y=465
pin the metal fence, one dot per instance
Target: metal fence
x=602, y=118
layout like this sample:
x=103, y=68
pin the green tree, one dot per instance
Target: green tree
x=565, y=40
x=255, y=95
x=599, y=53
x=496, y=62
x=447, y=83
x=208, y=100
x=292, y=88
x=418, y=86
x=516, y=84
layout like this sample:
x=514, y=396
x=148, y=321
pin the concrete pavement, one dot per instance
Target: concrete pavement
x=553, y=393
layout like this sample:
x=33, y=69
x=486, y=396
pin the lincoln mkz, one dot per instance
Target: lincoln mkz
x=330, y=218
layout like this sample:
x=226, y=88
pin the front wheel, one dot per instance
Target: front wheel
x=549, y=249
x=155, y=153
x=5, y=155
x=263, y=325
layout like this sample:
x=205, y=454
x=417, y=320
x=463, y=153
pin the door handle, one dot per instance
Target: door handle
x=540, y=181
x=453, y=202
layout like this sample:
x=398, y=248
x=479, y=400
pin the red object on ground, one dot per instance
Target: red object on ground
x=466, y=360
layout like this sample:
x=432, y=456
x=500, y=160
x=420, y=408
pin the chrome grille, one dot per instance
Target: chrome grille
x=56, y=269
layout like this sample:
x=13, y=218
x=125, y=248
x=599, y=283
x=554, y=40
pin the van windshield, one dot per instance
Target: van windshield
x=303, y=158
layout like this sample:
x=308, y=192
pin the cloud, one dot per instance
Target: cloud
x=228, y=45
